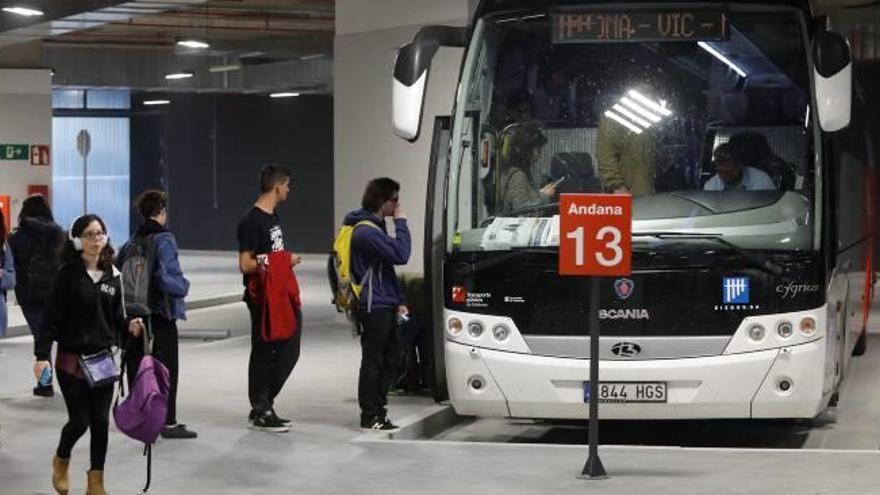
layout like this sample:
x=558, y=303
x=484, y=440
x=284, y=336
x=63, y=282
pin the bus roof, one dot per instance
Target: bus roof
x=489, y=6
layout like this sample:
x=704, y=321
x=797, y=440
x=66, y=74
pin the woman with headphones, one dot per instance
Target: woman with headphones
x=520, y=146
x=85, y=315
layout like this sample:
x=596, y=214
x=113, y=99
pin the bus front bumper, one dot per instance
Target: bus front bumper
x=490, y=383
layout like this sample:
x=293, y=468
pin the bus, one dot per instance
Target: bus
x=739, y=132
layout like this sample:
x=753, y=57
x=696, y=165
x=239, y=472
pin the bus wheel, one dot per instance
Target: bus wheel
x=861, y=344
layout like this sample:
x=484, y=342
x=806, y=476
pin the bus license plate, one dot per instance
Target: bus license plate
x=628, y=392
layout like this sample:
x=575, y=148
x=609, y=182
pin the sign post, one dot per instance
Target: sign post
x=83, y=147
x=595, y=240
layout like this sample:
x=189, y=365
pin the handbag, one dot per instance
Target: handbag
x=99, y=369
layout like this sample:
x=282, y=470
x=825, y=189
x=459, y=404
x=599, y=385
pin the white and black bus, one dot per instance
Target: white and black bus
x=739, y=132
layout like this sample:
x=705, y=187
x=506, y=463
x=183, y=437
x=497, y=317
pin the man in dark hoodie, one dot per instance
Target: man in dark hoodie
x=35, y=245
x=168, y=289
x=382, y=310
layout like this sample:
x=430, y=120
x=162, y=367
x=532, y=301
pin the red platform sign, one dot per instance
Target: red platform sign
x=595, y=235
x=6, y=208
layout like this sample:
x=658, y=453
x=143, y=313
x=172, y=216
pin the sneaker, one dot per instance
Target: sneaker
x=380, y=424
x=177, y=431
x=280, y=419
x=41, y=391
x=269, y=422
x=252, y=416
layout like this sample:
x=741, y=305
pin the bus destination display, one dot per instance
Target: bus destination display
x=679, y=25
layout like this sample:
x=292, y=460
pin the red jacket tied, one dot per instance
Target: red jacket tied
x=275, y=289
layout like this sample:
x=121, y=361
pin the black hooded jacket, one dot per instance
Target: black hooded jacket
x=35, y=246
x=84, y=317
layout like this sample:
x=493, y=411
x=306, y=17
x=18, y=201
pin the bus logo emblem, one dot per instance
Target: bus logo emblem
x=459, y=294
x=626, y=349
x=624, y=287
x=736, y=290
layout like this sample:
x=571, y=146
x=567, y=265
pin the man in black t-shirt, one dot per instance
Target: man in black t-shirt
x=259, y=233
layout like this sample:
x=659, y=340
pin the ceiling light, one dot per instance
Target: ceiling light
x=622, y=121
x=283, y=95
x=715, y=53
x=639, y=109
x=179, y=75
x=193, y=43
x=23, y=11
x=633, y=117
x=224, y=68
x=156, y=102
x=652, y=105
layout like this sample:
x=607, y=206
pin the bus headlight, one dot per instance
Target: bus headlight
x=756, y=332
x=475, y=329
x=454, y=326
x=784, y=329
x=500, y=332
x=808, y=325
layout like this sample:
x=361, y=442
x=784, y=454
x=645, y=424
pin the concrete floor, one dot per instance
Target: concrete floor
x=326, y=453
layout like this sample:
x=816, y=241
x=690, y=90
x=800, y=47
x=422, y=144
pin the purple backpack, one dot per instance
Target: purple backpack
x=141, y=415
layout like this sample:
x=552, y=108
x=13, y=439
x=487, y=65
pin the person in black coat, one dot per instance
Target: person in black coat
x=35, y=247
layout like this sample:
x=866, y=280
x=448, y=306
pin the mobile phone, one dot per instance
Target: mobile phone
x=46, y=376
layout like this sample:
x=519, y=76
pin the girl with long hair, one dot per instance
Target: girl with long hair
x=85, y=316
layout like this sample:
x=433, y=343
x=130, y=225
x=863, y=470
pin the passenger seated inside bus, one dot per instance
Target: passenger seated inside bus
x=755, y=152
x=521, y=145
x=731, y=174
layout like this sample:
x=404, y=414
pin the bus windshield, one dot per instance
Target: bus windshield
x=710, y=131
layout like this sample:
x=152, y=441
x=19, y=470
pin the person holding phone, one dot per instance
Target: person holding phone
x=85, y=316
x=382, y=309
x=521, y=145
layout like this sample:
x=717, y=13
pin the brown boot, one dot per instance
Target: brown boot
x=60, y=480
x=96, y=483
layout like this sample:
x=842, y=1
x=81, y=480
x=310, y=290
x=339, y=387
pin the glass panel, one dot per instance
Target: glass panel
x=109, y=99
x=68, y=98
x=709, y=136
x=108, y=172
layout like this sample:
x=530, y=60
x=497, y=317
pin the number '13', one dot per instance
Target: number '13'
x=602, y=235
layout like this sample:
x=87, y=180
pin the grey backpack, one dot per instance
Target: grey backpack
x=137, y=261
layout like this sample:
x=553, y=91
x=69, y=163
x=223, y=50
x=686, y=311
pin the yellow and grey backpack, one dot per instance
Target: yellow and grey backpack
x=346, y=290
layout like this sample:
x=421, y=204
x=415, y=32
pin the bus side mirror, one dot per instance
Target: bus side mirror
x=833, y=76
x=411, y=76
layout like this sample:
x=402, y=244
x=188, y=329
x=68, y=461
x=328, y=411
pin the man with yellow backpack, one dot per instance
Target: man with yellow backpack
x=366, y=288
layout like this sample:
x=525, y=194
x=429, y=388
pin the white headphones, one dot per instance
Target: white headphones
x=77, y=242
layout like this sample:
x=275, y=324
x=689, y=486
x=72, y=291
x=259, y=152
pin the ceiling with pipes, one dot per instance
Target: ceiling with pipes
x=236, y=46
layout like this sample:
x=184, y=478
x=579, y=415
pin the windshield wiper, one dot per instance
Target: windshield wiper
x=494, y=261
x=755, y=259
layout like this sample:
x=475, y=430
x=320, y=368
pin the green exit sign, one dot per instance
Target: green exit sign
x=14, y=152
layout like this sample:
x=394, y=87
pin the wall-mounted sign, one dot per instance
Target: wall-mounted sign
x=14, y=151
x=39, y=189
x=40, y=154
x=6, y=208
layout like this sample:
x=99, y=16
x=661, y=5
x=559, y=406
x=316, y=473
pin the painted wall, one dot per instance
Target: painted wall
x=25, y=118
